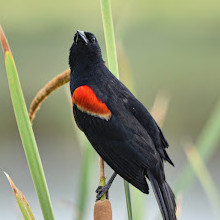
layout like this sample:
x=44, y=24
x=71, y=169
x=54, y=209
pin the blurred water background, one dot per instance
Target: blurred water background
x=171, y=46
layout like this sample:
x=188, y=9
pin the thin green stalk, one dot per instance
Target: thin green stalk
x=102, y=183
x=206, y=144
x=88, y=154
x=138, y=204
x=26, y=132
x=128, y=199
x=109, y=37
x=102, y=176
x=113, y=65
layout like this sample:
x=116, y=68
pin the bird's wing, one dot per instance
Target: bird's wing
x=118, y=91
x=147, y=121
x=140, y=128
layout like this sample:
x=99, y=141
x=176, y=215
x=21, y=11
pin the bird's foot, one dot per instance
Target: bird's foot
x=101, y=190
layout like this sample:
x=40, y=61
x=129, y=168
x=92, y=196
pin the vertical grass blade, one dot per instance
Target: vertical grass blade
x=87, y=163
x=205, y=178
x=109, y=36
x=113, y=66
x=21, y=200
x=128, y=199
x=139, y=204
x=26, y=132
x=206, y=144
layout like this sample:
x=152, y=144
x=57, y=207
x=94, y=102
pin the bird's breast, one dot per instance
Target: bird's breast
x=86, y=101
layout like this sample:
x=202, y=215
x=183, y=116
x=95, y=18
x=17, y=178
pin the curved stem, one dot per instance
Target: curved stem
x=49, y=88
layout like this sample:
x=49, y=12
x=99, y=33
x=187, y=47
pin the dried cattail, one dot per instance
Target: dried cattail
x=103, y=210
x=49, y=88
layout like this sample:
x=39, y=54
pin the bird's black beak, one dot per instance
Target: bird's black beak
x=80, y=35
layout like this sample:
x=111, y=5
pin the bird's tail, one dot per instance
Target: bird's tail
x=165, y=198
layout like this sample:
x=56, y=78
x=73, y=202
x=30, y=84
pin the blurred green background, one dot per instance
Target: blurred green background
x=171, y=46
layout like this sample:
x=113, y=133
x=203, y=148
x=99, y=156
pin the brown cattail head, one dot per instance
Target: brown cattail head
x=49, y=88
x=103, y=210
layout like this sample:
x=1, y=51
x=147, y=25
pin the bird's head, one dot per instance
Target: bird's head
x=85, y=50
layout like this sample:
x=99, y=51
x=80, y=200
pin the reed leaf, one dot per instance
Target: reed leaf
x=86, y=170
x=109, y=36
x=26, y=132
x=21, y=200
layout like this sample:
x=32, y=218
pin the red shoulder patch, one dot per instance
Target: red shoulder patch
x=87, y=101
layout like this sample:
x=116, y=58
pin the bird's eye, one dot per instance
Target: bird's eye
x=92, y=40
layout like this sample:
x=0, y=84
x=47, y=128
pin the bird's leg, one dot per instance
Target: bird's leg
x=101, y=190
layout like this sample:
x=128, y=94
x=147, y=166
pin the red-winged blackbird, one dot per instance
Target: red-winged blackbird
x=117, y=125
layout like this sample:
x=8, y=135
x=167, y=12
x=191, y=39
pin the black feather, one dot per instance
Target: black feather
x=165, y=198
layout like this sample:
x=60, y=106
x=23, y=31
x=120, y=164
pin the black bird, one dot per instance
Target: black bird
x=118, y=126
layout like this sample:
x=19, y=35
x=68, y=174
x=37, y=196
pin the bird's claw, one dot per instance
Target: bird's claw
x=101, y=190
x=98, y=189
